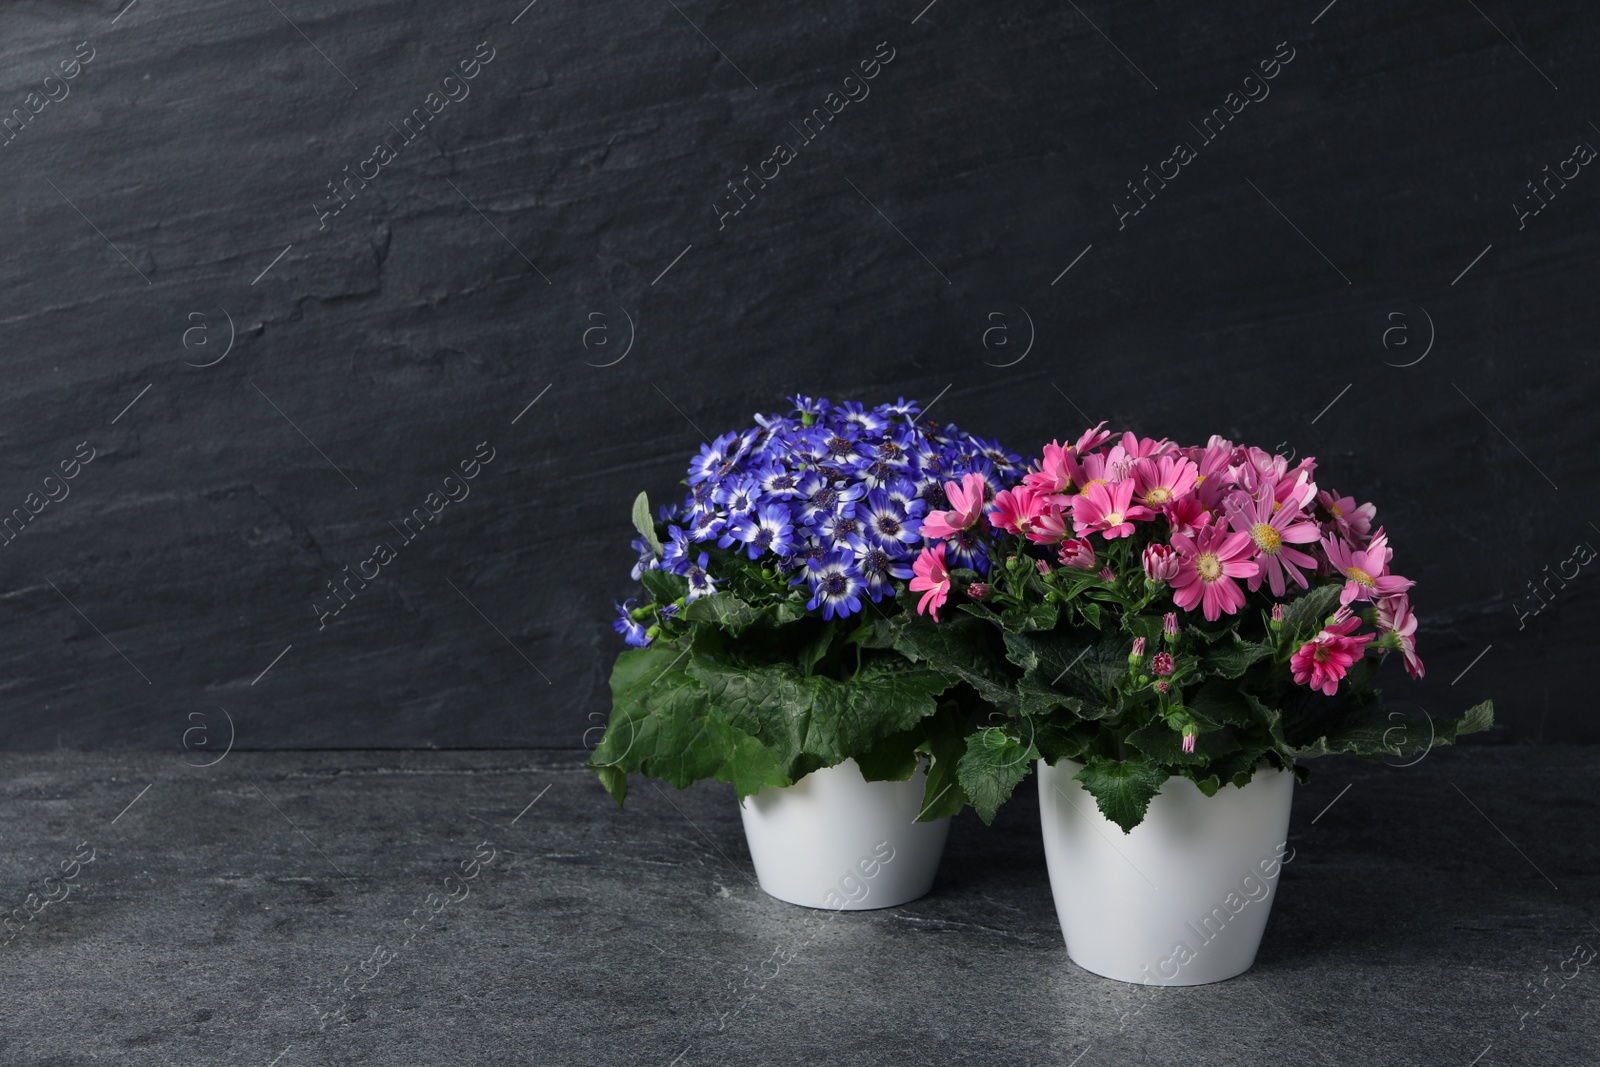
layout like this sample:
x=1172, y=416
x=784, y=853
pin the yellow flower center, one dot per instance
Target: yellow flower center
x=1092, y=481
x=1208, y=567
x=1334, y=508
x=1159, y=495
x=1266, y=538
x=1361, y=577
x=1114, y=518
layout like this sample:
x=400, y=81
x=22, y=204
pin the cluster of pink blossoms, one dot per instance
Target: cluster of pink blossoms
x=1222, y=521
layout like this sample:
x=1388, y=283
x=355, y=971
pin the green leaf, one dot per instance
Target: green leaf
x=644, y=523
x=1476, y=719
x=1122, y=789
x=666, y=587
x=991, y=768
x=1234, y=658
x=1035, y=616
x=811, y=715
x=893, y=759
x=1218, y=704
x=963, y=647
x=1165, y=745
x=662, y=726
x=723, y=609
x=1304, y=615
x=946, y=732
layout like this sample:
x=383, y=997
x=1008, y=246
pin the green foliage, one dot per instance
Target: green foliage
x=991, y=768
x=745, y=686
x=1122, y=789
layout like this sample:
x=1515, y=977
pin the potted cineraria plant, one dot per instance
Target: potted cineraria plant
x=761, y=653
x=1182, y=626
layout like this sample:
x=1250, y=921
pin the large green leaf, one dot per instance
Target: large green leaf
x=946, y=732
x=665, y=586
x=1304, y=615
x=962, y=647
x=991, y=768
x=1122, y=789
x=662, y=726
x=810, y=715
x=1165, y=745
x=1231, y=659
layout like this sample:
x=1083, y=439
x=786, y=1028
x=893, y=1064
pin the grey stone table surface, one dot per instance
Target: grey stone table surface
x=297, y=908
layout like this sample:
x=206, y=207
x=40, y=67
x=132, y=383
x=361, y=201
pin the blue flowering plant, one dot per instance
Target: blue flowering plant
x=762, y=640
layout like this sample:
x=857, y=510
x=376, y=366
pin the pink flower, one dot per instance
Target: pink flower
x=1054, y=475
x=1166, y=480
x=1016, y=510
x=1395, y=616
x=1050, y=527
x=1273, y=530
x=1210, y=563
x=1109, y=509
x=1093, y=438
x=1187, y=516
x=966, y=505
x=1143, y=447
x=1326, y=658
x=930, y=573
x=1162, y=685
x=1344, y=517
x=1161, y=665
x=1366, y=572
x=1160, y=563
x=1169, y=624
x=1077, y=553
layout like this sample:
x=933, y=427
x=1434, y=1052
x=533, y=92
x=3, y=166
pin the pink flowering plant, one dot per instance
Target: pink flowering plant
x=760, y=645
x=1202, y=611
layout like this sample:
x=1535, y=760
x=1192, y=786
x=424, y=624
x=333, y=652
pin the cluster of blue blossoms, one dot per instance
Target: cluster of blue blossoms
x=835, y=493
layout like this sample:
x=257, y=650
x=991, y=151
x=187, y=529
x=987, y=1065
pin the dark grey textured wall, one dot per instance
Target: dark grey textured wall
x=1361, y=214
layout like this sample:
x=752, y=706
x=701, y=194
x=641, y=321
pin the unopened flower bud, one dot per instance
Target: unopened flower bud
x=1169, y=626
x=978, y=591
x=1108, y=575
x=1277, y=616
x=1160, y=563
x=1137, y=655
x=1043, y=567
x=1162, y=664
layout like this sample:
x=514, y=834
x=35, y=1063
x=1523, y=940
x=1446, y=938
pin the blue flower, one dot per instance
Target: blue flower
x=887, y=523
x=768, y=530
x=777, y=482
x=878, y=567
x=630, y=628
x=647, y=558
x=965, y=550
x=842, y=531
x=836, y=585
x=871, y=422
x=737, y=495
x=700, y=583
x=711, y=458
x=675, y=550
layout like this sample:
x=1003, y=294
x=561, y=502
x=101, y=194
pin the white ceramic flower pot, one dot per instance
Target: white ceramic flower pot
x=1184, y=898
x=835, y=840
